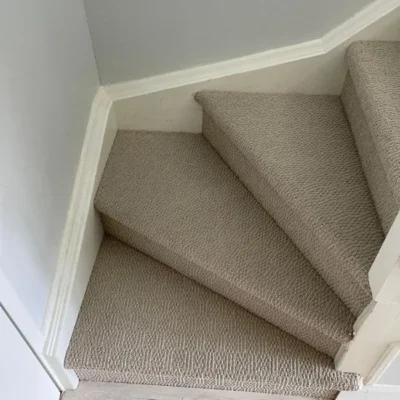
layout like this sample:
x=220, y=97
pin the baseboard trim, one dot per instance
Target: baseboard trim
x=361, y=20
x=334, y=38
x=126, y=391
x=81, y=239
x=270, y=58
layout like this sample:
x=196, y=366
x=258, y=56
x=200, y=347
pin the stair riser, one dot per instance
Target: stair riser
x=376, y=176
x=332, y=269
x=375, y=88
x=286, y=322
x=186, y=382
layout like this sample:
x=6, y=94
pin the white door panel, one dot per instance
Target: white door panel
x=22, y=377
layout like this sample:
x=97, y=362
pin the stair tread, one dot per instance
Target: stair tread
x=142, y=322
x=301, y=145
x=171, y=196
x=375, y=72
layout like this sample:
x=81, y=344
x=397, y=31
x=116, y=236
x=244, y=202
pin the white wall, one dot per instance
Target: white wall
x=140, y=38
x=48, y=79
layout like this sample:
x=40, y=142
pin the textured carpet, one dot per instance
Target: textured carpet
x=129, y=391
x=297, y=155
x=141, y=322
x=172, y=197
x=372, y=100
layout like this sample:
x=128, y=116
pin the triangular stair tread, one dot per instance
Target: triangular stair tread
x=172, y=197
x=141, y=322
x=297, y=155
x=375, y=74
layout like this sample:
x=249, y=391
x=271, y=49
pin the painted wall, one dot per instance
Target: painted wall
x=48, y=80
x=140, y=38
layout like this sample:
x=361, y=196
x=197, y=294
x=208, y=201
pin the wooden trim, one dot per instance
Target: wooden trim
x=81, y=239
x=253, y=62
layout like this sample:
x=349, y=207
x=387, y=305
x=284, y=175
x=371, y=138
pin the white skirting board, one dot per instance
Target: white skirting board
x=81, y=240
x=165, y=102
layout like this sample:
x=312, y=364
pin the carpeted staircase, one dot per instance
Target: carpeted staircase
x=238, y=259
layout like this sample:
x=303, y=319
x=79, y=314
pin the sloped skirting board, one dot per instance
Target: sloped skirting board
x=81, y=240
x=165, y=102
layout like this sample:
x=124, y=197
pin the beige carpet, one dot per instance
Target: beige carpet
x=143, y=323
x=128, y=391
x=238, y=260
x=297, y=155
x=171, y=196
x=372, y=100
